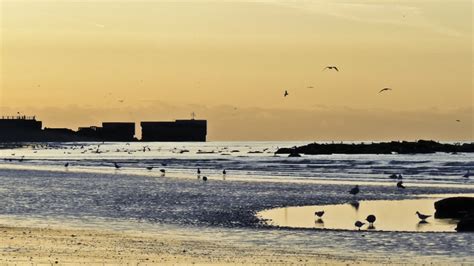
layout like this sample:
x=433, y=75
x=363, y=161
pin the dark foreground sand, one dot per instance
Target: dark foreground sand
x=50, y=246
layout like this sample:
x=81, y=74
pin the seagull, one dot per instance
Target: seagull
x=319, y=213
x=359, y=224
x=385, y=89
x=371, y=219
x=224, y=172
x=163, y=171
x=422, y=216
x=117, y=166
x=467, y=175
x=355, y=190
x=149, y=168
x=331, y=67
x=285, y=94
x=400, y=185
x=199, y=171
x=66, y=165
x=204, y=178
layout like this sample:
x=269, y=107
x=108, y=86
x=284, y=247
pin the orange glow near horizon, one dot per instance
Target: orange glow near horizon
x=78, y=63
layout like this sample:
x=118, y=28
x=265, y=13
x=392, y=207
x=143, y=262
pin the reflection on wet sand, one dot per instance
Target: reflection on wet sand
x=395, y=215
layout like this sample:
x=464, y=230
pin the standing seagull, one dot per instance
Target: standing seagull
x=400, y=185
x=199, y=171
x=385, y=89
x=371, y=219
x=331, y=67
x=355, y=190
x=285, y=94
x=422, y=216
x=359, y=224
x=468, y=174
x=224, y=172
x=319, y=213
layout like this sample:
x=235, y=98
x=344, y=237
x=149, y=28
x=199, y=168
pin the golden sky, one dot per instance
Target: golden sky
x=76, y=63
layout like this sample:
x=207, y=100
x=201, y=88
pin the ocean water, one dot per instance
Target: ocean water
x=241, y=160
x=38, y=190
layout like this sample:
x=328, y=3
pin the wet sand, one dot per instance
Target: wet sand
x=219, y=215
x=53, y=246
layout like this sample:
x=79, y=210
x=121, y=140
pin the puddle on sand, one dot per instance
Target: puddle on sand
x=391, y=215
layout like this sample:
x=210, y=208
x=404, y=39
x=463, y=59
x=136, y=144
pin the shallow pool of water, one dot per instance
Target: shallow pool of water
x=391, y=215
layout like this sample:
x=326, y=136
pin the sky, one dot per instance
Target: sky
x=77, y=63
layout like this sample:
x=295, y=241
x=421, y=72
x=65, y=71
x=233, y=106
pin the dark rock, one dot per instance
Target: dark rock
x=466, y=224
x=403, y=147
x=456, y=207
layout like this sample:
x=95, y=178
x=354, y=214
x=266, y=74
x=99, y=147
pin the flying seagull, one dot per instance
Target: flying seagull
x=285, y=94
x=331, y=67
x=385, y=89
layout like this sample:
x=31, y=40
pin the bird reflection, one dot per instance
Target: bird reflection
x=355, y=205
x=421, y=224
x=319, y=223
x=371, y=227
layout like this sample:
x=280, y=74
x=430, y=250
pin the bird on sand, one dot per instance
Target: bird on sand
x=385, y=89
x=422, y=216
x=149, y=168
x=285, y=94
x=468, y=174
x=204, y=178
x=371, y=219
x=117, y=166
x=400, y=185
x=331, y=68
x=355, y=190
x=457, y=120
x=163, y=171
x=199, y=171
x=224, y=172
x=319, y=213
x=359, y=224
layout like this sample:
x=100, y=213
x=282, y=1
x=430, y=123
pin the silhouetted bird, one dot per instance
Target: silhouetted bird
x=385, y=89
x=199, y=171
x=204, y=178
x=149, y=168
x=468, y=174
x=457, y=120
x=224, y=172
x=66, y=165
x=400, y=176
x=163, y=171
x=164, y=164
x=393, y=176
x=285, y=94
x=319, y=213
x=117, y=166
x=422, y=216
x=355, y=190
x=359, y=224
x=331, y=67
x=400, y=184
x=371, y=219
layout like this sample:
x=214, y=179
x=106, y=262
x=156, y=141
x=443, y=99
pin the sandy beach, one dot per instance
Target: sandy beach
x=53, y=246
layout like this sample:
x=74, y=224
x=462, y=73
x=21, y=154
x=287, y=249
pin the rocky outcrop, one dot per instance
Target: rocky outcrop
x=456, y=207
x=403, y=147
